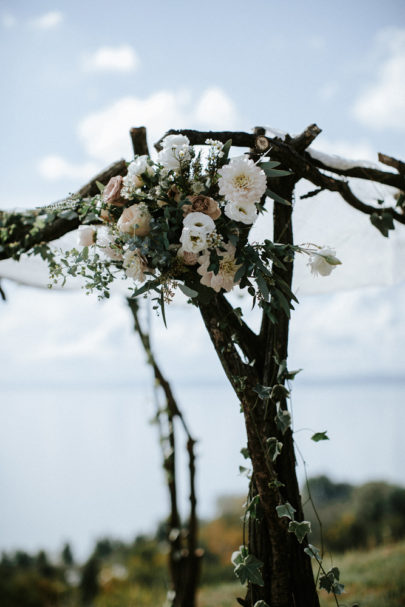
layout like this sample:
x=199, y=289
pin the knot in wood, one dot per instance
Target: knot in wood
x=261, y=143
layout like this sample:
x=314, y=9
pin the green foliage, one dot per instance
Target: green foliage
x=355, y=517
x=383, y=222
x=318, y=436
x=300, y=530
x=330, y=581
x=247, y=567
x=274, y=447
x=286, y=510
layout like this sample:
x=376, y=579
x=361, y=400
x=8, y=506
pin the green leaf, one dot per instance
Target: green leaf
x=245, y=452
x=279, y=392
x=262, y=391
x=261, y=283
x=274, y=447
x=187, y=291
x=248, y=570
x=286, y=510
x=272, y=172
x=330, y=581
x=283, y=420
x=244, y=471
x=277, y=198
x=269, y=164
x=384, y=223
x=100, y=186
x=300, y=530
x=318, y=436
x=251, y=508
x=313, y=552
x=225, y=150
x=68, y=214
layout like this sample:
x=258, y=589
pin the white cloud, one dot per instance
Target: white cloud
x=104, y=133
x=48, y=20
x=8, y=20
x=216, y=110
x=56, y=167
x=382, y=103
x=108, y=58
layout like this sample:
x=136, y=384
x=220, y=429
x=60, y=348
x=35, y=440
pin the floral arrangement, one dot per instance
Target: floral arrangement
x=184, y=220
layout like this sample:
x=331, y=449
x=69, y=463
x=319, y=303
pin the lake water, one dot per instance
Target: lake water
x=80, y=463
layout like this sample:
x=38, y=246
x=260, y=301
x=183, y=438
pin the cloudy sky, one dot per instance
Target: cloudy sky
x=75, y=77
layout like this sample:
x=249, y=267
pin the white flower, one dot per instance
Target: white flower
x=133, y=179
x=197, y=226
x=245, y=212
x=106, y=242
x=323, y=261
x=135, y=220
x=134, y=265
x=140, y=165
x=175, y=149
x=193, y=240
x=241, y=180
x=227, y=270
x=86, y=236
x=199, y=220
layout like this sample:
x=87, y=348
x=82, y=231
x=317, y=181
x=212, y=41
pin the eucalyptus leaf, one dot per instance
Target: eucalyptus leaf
x=187, y=291
x=277, y=198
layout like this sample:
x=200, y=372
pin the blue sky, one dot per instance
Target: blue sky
x=227, y=63
x=75, y=77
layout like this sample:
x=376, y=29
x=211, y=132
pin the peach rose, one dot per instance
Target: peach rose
x=112, y=191
x=135, y=220
x=202, y=204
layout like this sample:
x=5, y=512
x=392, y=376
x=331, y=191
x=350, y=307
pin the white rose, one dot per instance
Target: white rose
x=133, y=179
x=245, y=212
x=140, y=165
x=323, y=261
x=199, y=221
x=86, y=236
x=134, y=265
x=175, y=148
x=193, y=240
x=135, y=220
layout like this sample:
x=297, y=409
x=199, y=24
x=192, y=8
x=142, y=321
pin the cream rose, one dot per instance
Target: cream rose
x=135, y=220
x=134, y=265
x=86, y=236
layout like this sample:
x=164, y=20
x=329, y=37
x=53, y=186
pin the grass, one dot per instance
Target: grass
x=374, y=578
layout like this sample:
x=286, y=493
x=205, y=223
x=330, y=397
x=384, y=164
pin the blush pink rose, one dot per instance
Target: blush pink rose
x=112, y=191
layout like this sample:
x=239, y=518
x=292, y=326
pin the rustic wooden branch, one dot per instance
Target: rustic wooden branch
x=303, y=165
x=185, y=564
x=59, y=227
x=392, y=162
x=139, y=142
